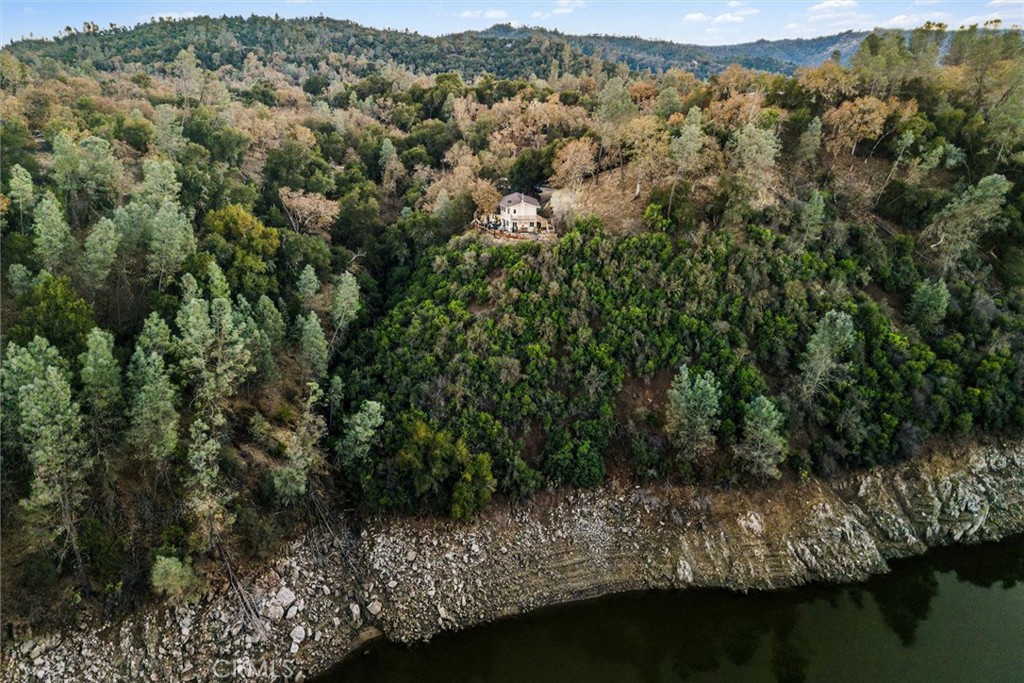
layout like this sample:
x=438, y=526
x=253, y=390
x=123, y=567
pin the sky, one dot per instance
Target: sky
x=706, y=22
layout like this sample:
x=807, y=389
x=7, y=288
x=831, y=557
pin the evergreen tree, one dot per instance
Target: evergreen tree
x=302, y=450
x=809, y=144
x=344, y=304
x=172, y=241
x=308, y=286
x=155, y=336
x=692, y=412
x=100, y=252
x=764, y=446
x=54, y=246
x=22, y=365
x=928, y=304
x=955, y=230
x=833, y=336
x=152, y=416
x=101, y=385
x=270, y=320
x=211, y=349
x=22, y=192
x=51, y=426
x=812, y=218
x=313, y=351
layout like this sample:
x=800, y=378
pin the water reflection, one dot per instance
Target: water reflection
x=958, y=607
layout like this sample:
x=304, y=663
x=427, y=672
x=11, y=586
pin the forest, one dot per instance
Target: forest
x=240, y=293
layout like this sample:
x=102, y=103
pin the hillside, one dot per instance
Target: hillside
x=239, y=292
x=501, y=50
x=778, y=56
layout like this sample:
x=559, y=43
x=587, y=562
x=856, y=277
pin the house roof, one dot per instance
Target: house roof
x=517, y=198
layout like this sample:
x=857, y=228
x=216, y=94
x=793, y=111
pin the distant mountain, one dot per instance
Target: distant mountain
x=503, y=50
x=781, y=56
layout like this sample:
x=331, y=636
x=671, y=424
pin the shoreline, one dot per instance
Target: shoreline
x=408, y=579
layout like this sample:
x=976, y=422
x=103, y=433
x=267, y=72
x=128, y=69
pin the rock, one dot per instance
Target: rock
x=275, y=612
x=298, y=634
x=291, y=612
x=285, y=597
x=375, y=607
x=411, y=556
x=357, y=616
x=392, y=584
x=684, y=572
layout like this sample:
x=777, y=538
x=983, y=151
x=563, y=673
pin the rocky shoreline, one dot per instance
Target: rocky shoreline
x=409, y=579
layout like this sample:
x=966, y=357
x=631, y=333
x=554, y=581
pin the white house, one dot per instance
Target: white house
x=518, y=213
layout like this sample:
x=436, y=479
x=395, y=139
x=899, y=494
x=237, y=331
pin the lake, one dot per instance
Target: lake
x=955, y=614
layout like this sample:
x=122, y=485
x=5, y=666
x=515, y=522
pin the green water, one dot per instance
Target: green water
x=954, y=615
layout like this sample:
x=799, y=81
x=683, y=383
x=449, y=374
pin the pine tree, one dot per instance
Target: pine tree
x=344, y=305
x=754, y=151
x=812, y=218
x=22, y=365
x=167, y=133
x=52, y=431
x=313, y=352
x=155, y=336
x=308, y=286
x=22, y=192
x=929, y=304
x=302, y=450
x=361, y=429
x=270, y=320
x=54, y=245
x=692, y=412
x=955, y=230
x=159, y=183
x=100, y=252
x=101, y=385
x=204, y=498
x=152, y=416
x=211, y=349
x=808, y=145
x=172, y=241
x=764, y=446
x=833, y=336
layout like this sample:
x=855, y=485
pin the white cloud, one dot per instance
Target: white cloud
x=735, y=17
x=1006, y=3
x=567, y=6
x=832, y=4
x=540, y=15
x=913, y=20
x=920, y=3
x=696, y=16
x=735, y=3
x=838, y=16
x=484, y=14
